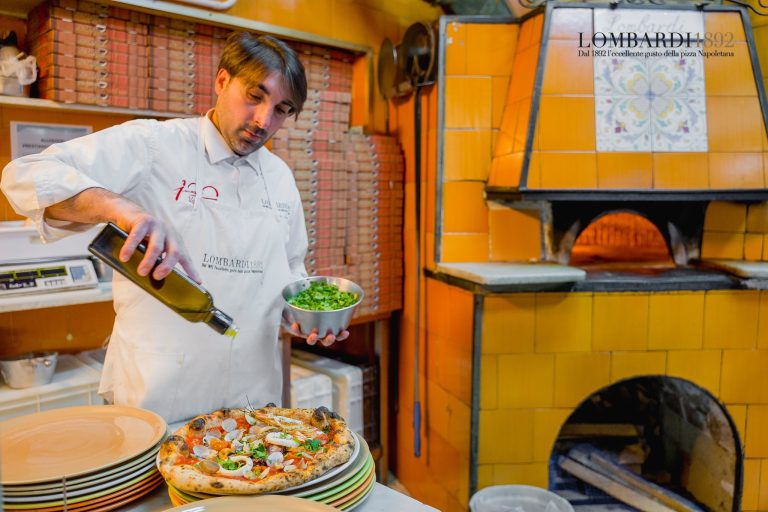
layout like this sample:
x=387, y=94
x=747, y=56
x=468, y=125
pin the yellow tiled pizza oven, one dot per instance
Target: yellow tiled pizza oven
x=597, y=295
x=608, y=116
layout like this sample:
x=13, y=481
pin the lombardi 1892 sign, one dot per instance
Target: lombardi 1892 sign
x=653, y=33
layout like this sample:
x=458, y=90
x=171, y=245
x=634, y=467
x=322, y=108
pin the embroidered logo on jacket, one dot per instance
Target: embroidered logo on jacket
x=210, y=192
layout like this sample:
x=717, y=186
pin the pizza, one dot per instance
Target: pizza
x=251, y=451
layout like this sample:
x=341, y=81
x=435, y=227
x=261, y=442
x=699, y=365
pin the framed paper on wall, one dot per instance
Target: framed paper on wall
x=30, y=138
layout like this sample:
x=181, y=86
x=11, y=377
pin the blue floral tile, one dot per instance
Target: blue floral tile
x=623, y=123
x=680, y=126
x=677, y=76
x=618, y=75
x=649, y=99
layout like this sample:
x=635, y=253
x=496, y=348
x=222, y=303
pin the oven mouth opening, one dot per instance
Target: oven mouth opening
x=654, y=435
x=621, y=240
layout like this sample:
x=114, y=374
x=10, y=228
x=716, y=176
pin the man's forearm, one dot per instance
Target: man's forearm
x=91, y=206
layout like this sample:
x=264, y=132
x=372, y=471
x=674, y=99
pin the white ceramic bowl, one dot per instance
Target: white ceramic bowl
x=326, y=322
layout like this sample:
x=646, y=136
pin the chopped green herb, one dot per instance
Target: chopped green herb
x=312, y=445
x=228, y=464
x=323, y=297
x=259, y=452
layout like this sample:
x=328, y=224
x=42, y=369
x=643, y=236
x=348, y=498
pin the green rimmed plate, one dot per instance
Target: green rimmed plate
x=352, y=470
x=359, y=499
x=350, y=494
x=339, y=490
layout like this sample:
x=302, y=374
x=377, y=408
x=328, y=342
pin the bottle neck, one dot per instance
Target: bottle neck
x=221, y=323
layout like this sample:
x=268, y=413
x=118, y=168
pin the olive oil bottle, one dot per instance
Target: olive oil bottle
x=176, y=290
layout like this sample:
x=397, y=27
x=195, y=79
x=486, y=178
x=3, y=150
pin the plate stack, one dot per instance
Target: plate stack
x=343, y=487
x=79, y=458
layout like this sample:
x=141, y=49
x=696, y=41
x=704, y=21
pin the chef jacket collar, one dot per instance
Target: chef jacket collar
x=217, y=148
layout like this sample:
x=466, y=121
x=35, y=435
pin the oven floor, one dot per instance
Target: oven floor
x=639, y=277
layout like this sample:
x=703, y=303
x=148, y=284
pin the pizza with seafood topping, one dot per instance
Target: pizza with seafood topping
x=251, y=451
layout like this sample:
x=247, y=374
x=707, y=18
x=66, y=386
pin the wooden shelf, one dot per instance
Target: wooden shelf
x=102, y=293
x=20, y=8
x=36, y=103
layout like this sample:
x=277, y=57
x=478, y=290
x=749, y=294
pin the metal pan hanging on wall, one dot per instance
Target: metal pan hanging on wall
x=392, y=81
x=417, y=54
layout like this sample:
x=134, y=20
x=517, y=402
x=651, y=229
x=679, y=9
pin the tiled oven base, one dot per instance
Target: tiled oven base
x=535, y=356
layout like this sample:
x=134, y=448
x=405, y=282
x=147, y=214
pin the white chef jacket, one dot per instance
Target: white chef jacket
x=156, y=165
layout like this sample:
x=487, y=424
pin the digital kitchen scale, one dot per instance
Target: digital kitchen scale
x=43, y=276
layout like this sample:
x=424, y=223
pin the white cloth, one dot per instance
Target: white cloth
x=244, y=230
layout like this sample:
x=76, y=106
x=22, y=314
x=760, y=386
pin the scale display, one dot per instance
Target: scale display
x=46, y=277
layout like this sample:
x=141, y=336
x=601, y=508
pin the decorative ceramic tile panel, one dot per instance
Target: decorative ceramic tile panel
x=649, y=98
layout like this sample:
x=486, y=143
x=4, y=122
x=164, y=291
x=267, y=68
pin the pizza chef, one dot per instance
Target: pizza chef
x=205, y=193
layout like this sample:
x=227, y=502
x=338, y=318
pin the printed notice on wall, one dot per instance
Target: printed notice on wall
x=31, y=138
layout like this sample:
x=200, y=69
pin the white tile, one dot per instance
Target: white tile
x=649, y=99
x=681, y=126
x=622, y=123
x=618, y=76
x=648, y=21
x=678, y=74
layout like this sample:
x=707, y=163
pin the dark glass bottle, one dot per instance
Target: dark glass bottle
x=176, y=290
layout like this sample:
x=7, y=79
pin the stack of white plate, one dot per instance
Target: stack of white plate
x=343, y=488
x=79, y=458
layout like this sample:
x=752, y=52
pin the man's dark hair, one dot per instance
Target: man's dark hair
x=251, y=58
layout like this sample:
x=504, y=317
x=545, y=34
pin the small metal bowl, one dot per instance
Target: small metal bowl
x=325, y=322
x=30, y=369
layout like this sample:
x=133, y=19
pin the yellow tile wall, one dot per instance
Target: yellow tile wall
x=547, y=424
x=687, y=337
x=751, y=493
x=568, y=170
x=579, y=375
x=513, y=116
x=628, y=364
x=620, y=321
x=515, y=235
x=701, y=367
x=735, y=231
x=467, y=155
x=464, y=208
x=479, y=62
x=553, y=310
x=457, y=247
x=756, y=443
x=666, y=331
x=494, y=425
x=529, y=380
x=762, y=499
x=504, y=314
x=730, y=320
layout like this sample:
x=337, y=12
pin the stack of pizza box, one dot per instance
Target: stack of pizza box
x=184, y=57
x=351, y=185
x=316, y=155
x=375, y=237
x=90, y=53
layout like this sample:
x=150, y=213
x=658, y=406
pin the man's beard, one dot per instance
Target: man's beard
x=251, y=143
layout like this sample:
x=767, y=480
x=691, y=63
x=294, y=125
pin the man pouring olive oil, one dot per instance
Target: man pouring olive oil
x=203, y=193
